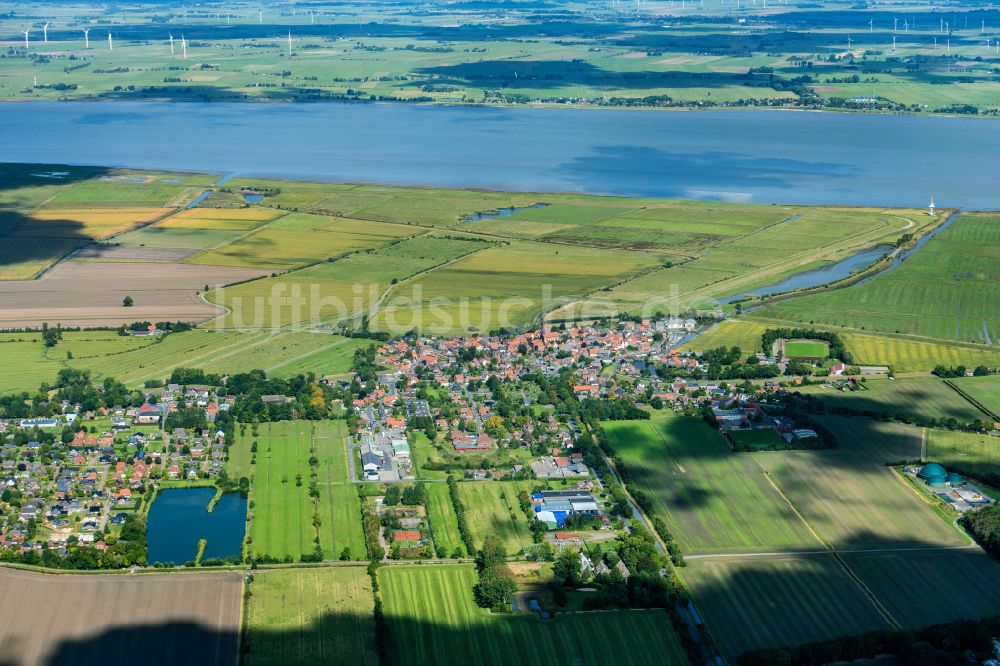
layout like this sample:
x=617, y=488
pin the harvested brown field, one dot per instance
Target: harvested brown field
x=94, y=620
x=90, y=293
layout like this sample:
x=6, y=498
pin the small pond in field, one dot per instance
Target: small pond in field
x=179, y=518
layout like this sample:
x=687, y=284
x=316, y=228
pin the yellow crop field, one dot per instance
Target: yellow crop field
x=92, y=223
x=227, y=219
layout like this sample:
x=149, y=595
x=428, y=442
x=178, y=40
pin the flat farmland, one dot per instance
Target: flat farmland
x=90, y=293
x=972, y=452
x=491, y=507
x=154, y=619
x=504, y=286
x=948, y=289
x=783, y=600
x=730, y=333
x=807, y=349
x=444, y=522
x=924, y=397
x=433, y=620
x=984, y=390
x=286, y=354
x=930, y=587
x=320, y=616
x=27, y=362
x=713, y=501
x=754, y=256
x=333, y=291
x=283, y=511
x=848, y=495
x=339, y=506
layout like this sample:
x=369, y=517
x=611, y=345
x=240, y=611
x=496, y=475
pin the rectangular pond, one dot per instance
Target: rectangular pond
x=179, y=518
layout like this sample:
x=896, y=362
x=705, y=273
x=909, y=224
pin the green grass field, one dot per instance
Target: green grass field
x=803, y=598
x=315, y=616
x=712, y=500
x=850, y=498
x=433, y=620
x=28, y=362
x=283, y=511
x=902, y=353
x=946, y=290
x=970, y=451
x=806, y=349
x=984, y=390
x=928, y=398
x=339, y=507
x=444, y=523
x=953, y=585
x=491, y=507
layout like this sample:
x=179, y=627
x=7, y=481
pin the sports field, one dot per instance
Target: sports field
x=444, y=523
x=713, y=501
x=339, y=507
x=945, y=290
x=316, y=616
x=433, y=619
x=926, y=398
x=282, y=509
x=491, y=507
x=806, y=349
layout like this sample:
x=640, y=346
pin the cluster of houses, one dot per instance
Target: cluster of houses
x=81, y=470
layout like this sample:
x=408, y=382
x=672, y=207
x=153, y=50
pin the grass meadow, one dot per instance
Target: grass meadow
x=945, y=290
x=984, y=390
x=971, y=452
x=712, y=500
x=283, y=511
x=929, y=398
x=444, y=522
x=339, y=507
x=804, y=598
x=491, y=507
x=433, y=619
x=317, y=616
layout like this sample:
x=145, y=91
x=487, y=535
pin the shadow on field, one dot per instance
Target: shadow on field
x=22, y=239
x=176, y=643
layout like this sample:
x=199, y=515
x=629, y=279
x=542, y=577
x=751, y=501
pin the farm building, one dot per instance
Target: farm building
x=553, y=507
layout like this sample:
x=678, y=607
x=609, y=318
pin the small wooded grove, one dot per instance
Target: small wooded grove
x=984, y=526
x=937, y=645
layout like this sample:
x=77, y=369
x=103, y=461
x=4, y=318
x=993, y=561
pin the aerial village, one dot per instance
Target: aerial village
x=469, y=404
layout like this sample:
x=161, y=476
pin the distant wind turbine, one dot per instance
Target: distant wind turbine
x=260, y=16
x=45, y=33
x=289, y=42
x=26, y=33
x=86, y=38
x=171, y=43
x=111, y=44
x=184, y=46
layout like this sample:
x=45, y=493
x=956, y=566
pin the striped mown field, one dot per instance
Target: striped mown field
x=433, y=619
x=318, y=616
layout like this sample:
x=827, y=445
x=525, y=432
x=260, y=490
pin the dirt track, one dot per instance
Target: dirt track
x=82, y=293
x=188, y=619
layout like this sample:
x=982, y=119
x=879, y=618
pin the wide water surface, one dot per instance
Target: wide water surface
x=179, y=518
x=737, y=155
